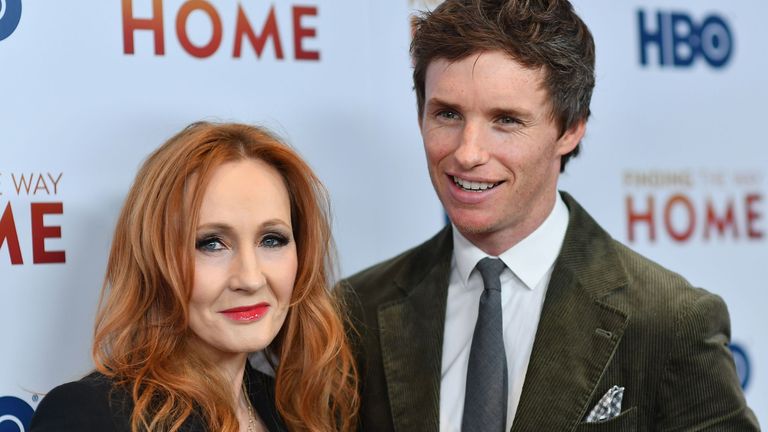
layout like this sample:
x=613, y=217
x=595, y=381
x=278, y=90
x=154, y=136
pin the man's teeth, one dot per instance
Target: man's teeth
x=475, y=186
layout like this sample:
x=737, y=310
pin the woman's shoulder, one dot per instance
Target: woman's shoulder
x=91, y=403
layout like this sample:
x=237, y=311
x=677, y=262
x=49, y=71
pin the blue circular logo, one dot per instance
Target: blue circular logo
x=743, y=367
x=15, y=414
x=10, y=15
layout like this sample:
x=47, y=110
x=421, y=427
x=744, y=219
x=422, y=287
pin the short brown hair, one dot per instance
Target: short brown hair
x=536, y=33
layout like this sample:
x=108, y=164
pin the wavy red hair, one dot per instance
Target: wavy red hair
x=142, y=338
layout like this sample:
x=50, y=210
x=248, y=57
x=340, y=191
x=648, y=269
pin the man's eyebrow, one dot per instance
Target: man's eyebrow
x=436, y=101
x=493, y=112
x=511, y=111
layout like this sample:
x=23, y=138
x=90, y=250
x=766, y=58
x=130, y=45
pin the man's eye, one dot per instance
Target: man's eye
x=209, y=244
x=448, y=115
x=274, y=240
x=508, y=120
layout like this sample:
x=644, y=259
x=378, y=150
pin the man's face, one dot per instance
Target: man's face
x=493, y=149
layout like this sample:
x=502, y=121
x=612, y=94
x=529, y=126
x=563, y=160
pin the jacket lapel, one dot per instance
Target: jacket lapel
x=577, y=333
x=411, y=331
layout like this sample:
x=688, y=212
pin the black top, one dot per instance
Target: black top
x=94, y=404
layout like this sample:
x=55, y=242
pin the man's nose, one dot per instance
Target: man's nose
x=247, y=274
x=471, y=150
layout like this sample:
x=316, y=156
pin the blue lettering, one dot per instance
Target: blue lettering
x=684, y=40
x=648, y=37
x=15, y=414
x=741, y=360
x=10, y=15
x=680, y=40
x=716, y=41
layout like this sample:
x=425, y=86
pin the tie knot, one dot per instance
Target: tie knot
x=490, y=269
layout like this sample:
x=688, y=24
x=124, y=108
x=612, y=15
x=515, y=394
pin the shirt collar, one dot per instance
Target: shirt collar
x=530, y=259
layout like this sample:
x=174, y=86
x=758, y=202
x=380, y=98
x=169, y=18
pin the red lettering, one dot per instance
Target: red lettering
x=40, y=232
x=753, y=216
x=681, y=213
x=22, y=184
x=270, y=30
x=186, y=9
x=154, y=24
x=634, y=217
x=299, y=33
x=8, y=235
x=720, y=223
x=691, y=220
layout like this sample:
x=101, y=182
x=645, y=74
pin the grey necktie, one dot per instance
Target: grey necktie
x=485, y=403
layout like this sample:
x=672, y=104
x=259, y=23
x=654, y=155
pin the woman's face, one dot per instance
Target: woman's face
x=245, y=259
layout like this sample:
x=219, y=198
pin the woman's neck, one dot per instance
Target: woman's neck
x=233, y=368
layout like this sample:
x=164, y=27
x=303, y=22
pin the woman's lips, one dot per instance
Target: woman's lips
x=246, y=313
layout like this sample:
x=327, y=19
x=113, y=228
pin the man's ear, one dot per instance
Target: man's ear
x=571, y=138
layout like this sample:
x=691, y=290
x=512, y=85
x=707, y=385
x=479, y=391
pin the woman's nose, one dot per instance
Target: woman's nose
x=247, y=273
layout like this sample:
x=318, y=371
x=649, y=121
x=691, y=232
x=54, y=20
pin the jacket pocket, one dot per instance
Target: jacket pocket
x=626, y=421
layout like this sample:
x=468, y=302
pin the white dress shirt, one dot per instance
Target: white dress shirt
x=523, y=287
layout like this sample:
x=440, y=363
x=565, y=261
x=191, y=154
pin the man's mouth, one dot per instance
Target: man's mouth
x=473, y=186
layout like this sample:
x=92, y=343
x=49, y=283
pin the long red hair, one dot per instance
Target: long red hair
x=142, y=338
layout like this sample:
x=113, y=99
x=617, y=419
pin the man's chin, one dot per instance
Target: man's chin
x=473, y=227
x=473, y=221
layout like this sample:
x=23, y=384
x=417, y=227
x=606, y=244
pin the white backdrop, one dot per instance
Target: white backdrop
x=673, y=164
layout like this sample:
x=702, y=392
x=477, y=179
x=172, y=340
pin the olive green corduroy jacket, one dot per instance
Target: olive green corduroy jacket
x=610, y=317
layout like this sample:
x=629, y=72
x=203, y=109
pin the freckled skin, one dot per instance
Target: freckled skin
x=487, y=119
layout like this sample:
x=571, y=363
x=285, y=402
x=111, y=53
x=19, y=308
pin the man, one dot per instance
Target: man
x=570, y=330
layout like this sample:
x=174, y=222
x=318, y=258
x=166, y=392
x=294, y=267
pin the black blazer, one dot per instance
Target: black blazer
x=94, y=404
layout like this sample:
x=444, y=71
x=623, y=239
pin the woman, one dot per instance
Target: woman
x=221, y=249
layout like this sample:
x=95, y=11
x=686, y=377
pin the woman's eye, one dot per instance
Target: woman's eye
x=209, y=244
x=274, y=240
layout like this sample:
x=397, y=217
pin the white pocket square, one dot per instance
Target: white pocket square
x=608, y=407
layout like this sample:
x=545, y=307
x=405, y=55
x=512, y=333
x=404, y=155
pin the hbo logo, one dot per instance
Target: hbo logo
x=679, y=40
x=15, y=414
x=743, y=366
x=10, y=15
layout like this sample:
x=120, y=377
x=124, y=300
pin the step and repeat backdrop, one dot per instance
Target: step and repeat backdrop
x=674, y=163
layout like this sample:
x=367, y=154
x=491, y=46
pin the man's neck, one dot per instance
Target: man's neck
x=495, y=242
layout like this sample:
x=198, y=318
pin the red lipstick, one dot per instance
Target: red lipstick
x=247, y=313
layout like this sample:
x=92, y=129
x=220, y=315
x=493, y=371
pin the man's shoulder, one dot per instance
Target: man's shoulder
x=640, y=268
x=383, y=271
x=609, y=257
x=674, y=332
x=376, y=279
